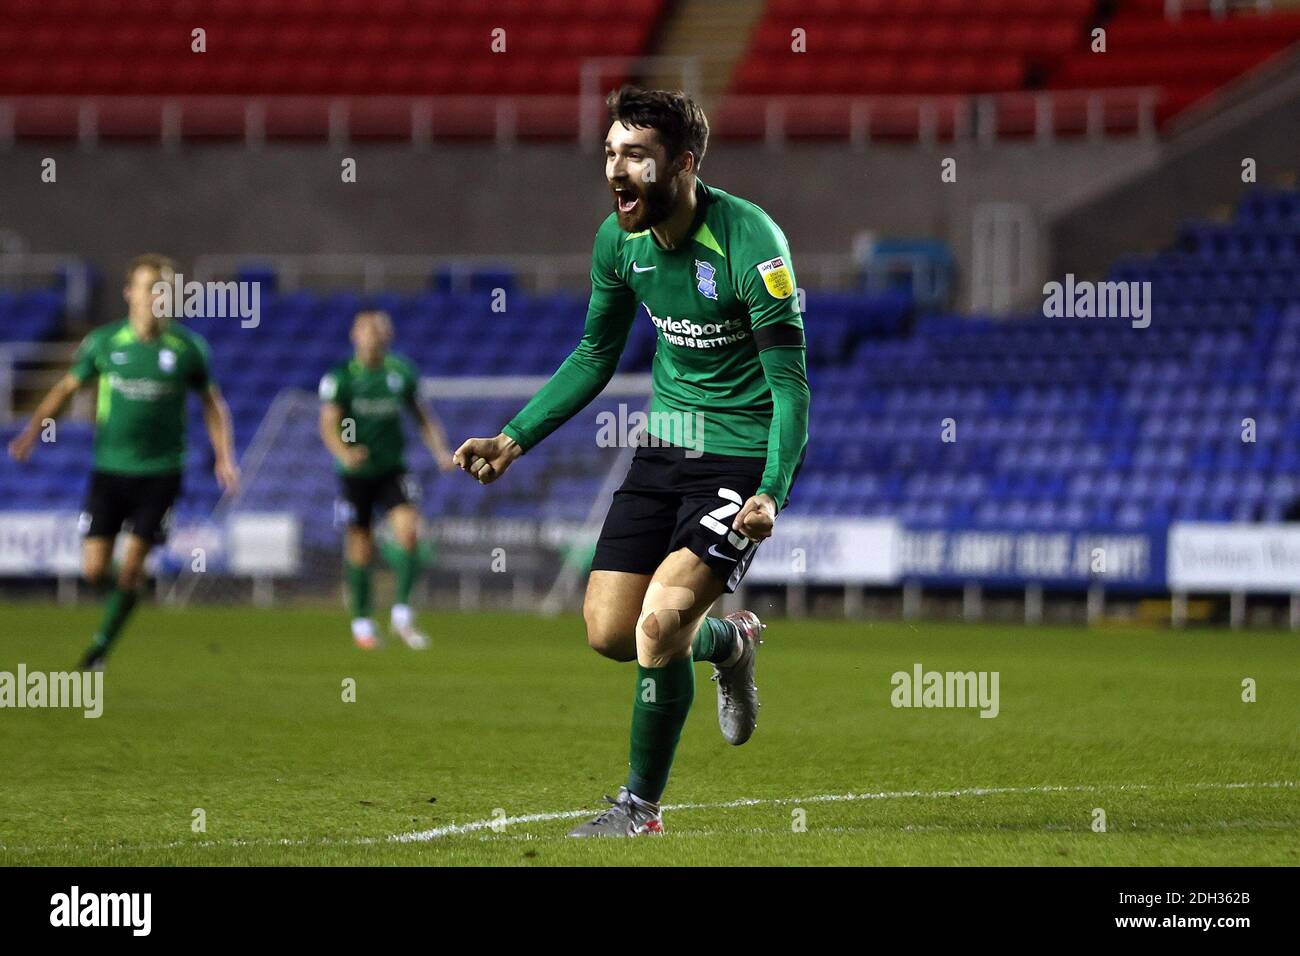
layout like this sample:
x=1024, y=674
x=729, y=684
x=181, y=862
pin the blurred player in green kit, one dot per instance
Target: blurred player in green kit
x=146, y=365
x=362, y=402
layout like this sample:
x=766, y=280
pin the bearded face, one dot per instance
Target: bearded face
x=642, y=205
x=637, y=169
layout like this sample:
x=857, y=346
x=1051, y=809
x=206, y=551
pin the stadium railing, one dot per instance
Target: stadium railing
x=536, y=272
x=1174, y=9
x=423, y=120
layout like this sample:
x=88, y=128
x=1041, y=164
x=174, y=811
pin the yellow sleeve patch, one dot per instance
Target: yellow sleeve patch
x=777, y=278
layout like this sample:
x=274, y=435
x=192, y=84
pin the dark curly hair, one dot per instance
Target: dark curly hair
x=680, y=123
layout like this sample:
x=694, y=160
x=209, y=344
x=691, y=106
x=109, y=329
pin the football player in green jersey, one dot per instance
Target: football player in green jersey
x=362, y=402
x=712, y=272
x=146, y=365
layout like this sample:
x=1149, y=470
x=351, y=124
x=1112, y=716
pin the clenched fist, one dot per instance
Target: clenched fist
x=756, y=518
x=486, y=459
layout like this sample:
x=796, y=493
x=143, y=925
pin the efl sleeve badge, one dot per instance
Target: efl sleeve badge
x=776, y=277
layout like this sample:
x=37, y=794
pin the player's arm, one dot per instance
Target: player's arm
x=84, y=367
x=216, y=416
x=221, y=433
x=778, y=335
x=581, y=377
x=431, y=431
x=433, y=434
x=785, y=368
x=333, y=387
x=20, y=449
x=331, y=433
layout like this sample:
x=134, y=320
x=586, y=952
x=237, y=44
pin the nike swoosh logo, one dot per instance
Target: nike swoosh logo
x=636, y=268
x=713, y=550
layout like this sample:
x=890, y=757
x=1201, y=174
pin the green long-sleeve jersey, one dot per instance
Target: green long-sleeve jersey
x=374, y=399
x=140, y=414
x=730, y=344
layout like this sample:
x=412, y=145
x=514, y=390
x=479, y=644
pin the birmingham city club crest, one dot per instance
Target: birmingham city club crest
x=704, y=274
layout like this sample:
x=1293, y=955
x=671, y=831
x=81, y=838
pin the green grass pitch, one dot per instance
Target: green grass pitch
x=239, y=713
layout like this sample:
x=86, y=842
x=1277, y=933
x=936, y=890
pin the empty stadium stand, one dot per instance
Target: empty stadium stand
x=414, y=69
x=1004, y=50
x=293, y=53
x=864, y=46
x=312, y=46
x=33, y=316
x=1188, y=57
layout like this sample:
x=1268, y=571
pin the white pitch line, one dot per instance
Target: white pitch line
x=456, y=829
x=678, y=832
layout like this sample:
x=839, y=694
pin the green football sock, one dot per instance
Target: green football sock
x=715, y=641
x=359, y=590
x=663, y=699
x=117, y=608
x=407, y=566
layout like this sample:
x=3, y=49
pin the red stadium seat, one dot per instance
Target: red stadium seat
x=327, y=48
x=334, y=46
x=981, y=46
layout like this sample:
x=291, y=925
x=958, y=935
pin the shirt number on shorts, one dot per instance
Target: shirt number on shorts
x=715, y=518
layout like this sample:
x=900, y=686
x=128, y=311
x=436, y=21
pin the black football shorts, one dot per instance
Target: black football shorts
x=361, y=497
x=138, y=504
x=673, y=500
